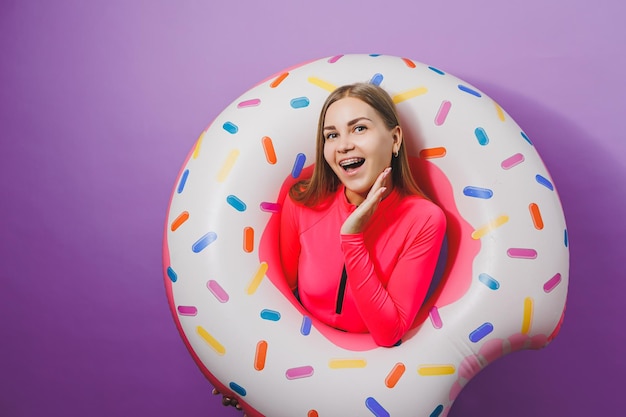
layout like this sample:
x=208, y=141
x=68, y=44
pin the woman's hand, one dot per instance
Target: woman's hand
x=226, y=401
x=355, y=223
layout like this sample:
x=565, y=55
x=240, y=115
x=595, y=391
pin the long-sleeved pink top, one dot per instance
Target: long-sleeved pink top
x=389, y=266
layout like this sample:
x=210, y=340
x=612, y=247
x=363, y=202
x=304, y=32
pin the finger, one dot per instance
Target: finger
x=215, y=391
x=225, y=401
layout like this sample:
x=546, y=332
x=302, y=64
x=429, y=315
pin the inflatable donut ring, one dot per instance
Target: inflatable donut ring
x=504, y=284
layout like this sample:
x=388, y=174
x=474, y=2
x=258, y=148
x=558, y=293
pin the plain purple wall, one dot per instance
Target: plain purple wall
x=101, y=100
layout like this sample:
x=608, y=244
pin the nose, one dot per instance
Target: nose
x=344, y=144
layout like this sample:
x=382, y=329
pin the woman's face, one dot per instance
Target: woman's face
x=358, y=146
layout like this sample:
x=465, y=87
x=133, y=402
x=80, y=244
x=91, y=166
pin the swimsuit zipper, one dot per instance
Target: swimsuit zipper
x=342, y=290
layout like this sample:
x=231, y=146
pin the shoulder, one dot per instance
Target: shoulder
x=419, y=210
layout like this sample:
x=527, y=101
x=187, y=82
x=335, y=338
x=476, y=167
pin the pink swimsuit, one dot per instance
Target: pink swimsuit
x=388, y=267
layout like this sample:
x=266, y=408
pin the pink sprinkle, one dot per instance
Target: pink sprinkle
x=300, y=372
x=510, y=162
x=552, y=283
x=443, y=112
x=249, y=103
x=435, y=318
x=334, y=59
x=217, y=291
x=522, y=253
x=187, y=310
x=271, y=207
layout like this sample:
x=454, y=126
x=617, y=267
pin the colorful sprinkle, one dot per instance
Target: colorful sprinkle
x=299, y=102
x=552, y=283
x=346, y=363
x=437, y=411
x=178, y=221
x=210, y=340
x=228, y=165
x=322, y=84
x=217, y=291
x=305, y=328
x=523, y=253
x=409, y=63
x=478, y=192
x=526, y=138
x=430, y=153
x=528, y=315
x=399, y=98
x=312, y=413
x=499, y=111
x=183, y=181
x=230, y=127
x=187, y=310
x=298, y=165
x=270, y=207
x=435, y=370
x=494, y=224
x=512, y=161
x=257, y=278
x=271, y=315
x=565, y=238
x=468, y=90
x=438, y=71
x=535, y=214
x=489, y=281
x=334, y=59
x=299, y=372
x=196, y=148
x=237, y=388
x=375, y=407
x=268, y=149
x=203, y=242
x=442, y=113
x=260, y=355
x=173, y=276
x=481, y=136
x=236, y=203
x=480, y=332
x=249, y=103
x=248, y=239
x=377, y=79
x=435, y=318
x=545, y=182
x=279, y=80
x=394, y=375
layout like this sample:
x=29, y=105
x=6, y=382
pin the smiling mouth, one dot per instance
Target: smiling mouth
x=351, y=164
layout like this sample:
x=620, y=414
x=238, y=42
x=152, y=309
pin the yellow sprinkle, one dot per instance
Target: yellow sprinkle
x=257, y=278
x=196, y=149
x=494, y=224
x=409, y=94
x=500, y=111
x=211, y=340
x=347, y=363
x=435, y=370
x=528, y=315
x=228, y=165
x=321, y=83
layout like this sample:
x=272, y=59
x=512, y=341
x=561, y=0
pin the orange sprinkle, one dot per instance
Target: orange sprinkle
x=312, y=413
x=248, y=239
x=409, y=63
x=260, y=355
x=279, y=79
x=535, y=214
x=268, y=148
x=395, y=374
x=178, y=221
x=433, y=153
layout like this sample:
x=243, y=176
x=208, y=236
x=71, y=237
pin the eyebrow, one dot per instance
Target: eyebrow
x=350, y=123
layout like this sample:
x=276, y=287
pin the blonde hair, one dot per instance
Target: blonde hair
x=323, y=182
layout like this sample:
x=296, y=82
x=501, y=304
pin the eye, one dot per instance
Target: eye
x=331, y=135
x=360, y=128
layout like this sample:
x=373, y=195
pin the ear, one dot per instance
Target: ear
x=397, y=137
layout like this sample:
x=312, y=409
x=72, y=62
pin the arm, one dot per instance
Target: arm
x=388, y=312
x=289, y=242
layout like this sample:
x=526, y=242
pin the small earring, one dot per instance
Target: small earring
x=395, y=154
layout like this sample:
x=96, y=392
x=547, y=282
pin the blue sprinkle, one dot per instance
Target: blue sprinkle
x=489, y=281
x=236, y=203
x=204, y=241
x=305, y=329
x=376, y=408
x=230, y=127
x=299, y=102
x=565, y=238
x=298, y=165
x=544, y=181
x=270, y=315
x=237, y=388
x=172, y=274
x=469, y=90
x=374, y=55
x=377, y=79
x=437, y=411
x=183, y=181
x=478, y=192
x=526, y=138
x=482, y=331
x=438, y=71
x=481, y=135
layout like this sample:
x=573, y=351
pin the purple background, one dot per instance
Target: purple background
x=100, y=102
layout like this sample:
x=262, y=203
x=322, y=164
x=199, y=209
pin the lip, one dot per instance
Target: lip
x=353, y=171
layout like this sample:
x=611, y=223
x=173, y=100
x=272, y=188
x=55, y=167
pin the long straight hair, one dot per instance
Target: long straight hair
x=324, y=182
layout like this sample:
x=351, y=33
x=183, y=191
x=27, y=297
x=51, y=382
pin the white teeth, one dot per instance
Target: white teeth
x=350, y=161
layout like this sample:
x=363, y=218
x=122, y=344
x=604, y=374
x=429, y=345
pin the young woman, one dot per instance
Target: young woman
x=359, y=241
